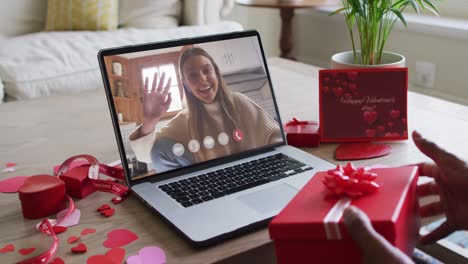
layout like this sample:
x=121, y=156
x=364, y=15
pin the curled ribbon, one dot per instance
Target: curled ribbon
x=296, y=122
x=350, y=181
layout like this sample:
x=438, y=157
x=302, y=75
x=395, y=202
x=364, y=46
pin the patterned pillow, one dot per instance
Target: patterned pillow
x=82, y=15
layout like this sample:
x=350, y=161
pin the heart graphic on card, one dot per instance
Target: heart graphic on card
x=119, y=238
x=113, y=256
x=41, y=196
x=356, y=151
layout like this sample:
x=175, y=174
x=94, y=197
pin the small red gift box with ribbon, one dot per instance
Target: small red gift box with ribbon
x=302, y=133
x=310, y=228
x=80, y=181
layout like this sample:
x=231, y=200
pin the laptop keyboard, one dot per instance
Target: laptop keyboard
x=216, y=184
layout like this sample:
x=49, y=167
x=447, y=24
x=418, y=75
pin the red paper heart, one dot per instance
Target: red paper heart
x=356, y=151
x=370, y=116
x=10, y=164
x=57, y=261
x=26, y=251
x=117, y=200
x=11, y=185
x=119, y=238
x=116, y=254
x=113, y=256
x=72, y=239
x=80, y=248
x=59, y=229
x=108, y=212
x=88, y=231
x=103, y=207
x=7, y=248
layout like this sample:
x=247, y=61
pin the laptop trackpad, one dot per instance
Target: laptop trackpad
x=269, y=200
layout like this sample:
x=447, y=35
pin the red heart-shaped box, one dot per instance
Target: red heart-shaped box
x=41, y=196
x=77, y=182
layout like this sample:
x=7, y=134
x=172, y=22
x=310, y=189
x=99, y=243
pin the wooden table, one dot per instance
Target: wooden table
x=287, y=12
x=38, y=134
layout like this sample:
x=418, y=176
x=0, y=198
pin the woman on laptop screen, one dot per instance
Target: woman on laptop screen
x=216, y=122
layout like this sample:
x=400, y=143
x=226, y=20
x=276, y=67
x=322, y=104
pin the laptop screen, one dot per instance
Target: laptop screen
x=183, y=105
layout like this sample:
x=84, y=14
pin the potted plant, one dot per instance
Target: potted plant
x=374, y=21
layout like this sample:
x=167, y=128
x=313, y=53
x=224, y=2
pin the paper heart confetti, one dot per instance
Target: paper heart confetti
x=88, y=231
x=72, y=239
x=148, y=255
x=57, y=261
x=356, y=151
x=113, y=256
x=71, y=220
x=103, y=207
x=119, y=238
x=7, y=248
x=117, y=200
x=26, y=251
x=11, y=185
x=9, y=167
x=108, y=212
x=80, y=248
x=59, y=229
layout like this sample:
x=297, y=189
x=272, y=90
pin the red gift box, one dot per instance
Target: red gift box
x=41, y=196
x=302, y=133
x=77, y=182
x=311, y=229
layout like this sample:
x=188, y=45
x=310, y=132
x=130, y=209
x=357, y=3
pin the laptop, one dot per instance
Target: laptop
x=207, y=158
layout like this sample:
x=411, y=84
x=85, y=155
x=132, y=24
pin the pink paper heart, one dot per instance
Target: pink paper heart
x=71, y=220
x=11, y=185
x=119, y=238
x=148, y=255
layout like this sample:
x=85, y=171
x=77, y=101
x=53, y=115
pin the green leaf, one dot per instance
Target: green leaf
x=400, y=16
x=337, y=11
x=415, y=6
x=431, y=7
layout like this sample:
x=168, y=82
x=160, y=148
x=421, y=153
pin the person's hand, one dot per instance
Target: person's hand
x=156, y=102
x=451, y=184
x=374, y=247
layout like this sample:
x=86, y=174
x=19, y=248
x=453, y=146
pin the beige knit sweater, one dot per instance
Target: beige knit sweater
x=258, y=127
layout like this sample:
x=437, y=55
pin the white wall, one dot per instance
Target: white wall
x=318, y=36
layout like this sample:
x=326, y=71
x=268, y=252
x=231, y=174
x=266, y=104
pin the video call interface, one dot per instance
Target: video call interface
x=180, y=106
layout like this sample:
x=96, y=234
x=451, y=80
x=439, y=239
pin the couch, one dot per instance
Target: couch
x=35, y=63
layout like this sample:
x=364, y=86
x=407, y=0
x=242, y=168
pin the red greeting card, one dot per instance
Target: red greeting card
x=363, y=104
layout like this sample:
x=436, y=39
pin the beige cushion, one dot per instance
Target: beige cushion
x=149, y=13
x=82, y=15
x=22, y=16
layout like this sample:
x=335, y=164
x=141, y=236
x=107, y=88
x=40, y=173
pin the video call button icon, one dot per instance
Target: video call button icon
x=178, y=149
x=208, y=142
x=194, y=145
x=238, y=135
x=223, y=138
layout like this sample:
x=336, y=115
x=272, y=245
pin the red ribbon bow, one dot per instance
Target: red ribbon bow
x=296, y=122
x=349, y=181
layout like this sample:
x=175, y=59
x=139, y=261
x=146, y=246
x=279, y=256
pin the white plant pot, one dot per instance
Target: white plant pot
x=345, y=60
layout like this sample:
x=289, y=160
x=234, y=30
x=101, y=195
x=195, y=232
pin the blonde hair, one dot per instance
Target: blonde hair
x=197, y=113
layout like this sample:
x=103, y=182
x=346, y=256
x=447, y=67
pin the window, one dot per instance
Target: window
x=170, y=71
